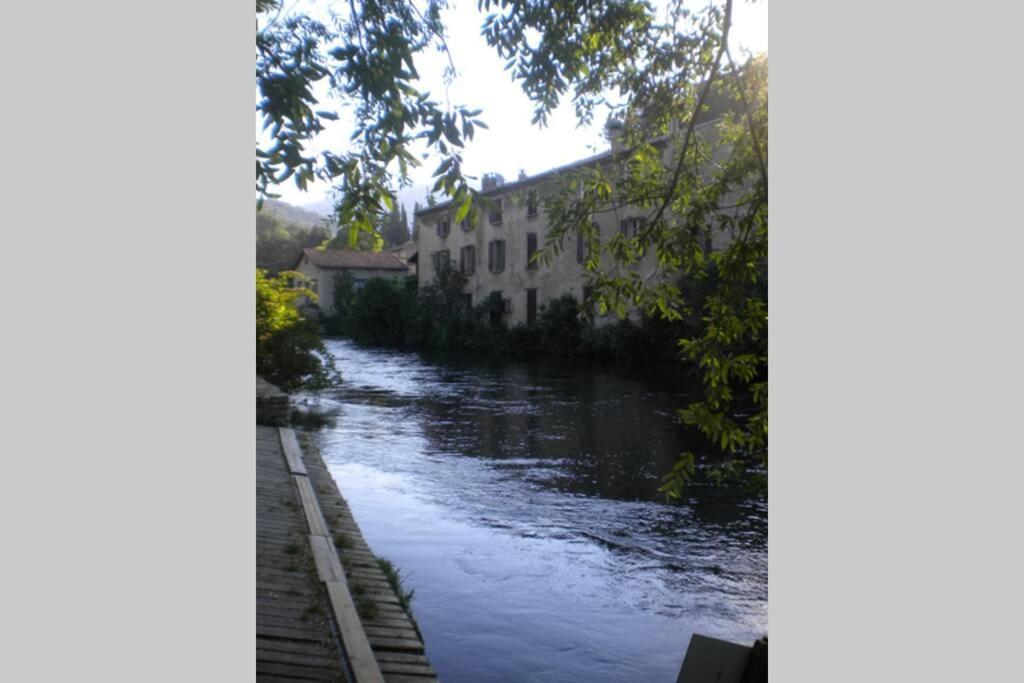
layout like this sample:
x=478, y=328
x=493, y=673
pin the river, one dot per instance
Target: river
x=519, y=499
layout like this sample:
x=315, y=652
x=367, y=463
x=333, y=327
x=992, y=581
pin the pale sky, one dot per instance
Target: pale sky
x=511, y=143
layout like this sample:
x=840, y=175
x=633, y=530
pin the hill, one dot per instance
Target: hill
x=287, y=214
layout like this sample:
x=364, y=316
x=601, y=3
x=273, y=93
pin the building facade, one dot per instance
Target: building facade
x=493, y=249
x=319, y=266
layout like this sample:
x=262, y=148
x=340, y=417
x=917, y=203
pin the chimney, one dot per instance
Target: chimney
x=613, y=131
x=491, y=181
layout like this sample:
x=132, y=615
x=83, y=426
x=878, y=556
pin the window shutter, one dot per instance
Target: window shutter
x=490, y=256
x=624, y=227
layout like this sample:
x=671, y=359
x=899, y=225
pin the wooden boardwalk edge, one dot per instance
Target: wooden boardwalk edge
x=386, y=619
x=353, y=638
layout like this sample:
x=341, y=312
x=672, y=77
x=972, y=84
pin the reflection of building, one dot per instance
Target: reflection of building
x=321, y=265
x=493, y=248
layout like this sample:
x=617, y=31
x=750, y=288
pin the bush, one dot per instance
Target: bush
x=561, y=326
x=289, y=352
x=375, y=315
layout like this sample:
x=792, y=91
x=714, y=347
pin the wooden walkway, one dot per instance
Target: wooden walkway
x=325, y=609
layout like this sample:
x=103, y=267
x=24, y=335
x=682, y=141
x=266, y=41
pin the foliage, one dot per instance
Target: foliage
x=279, y=244
x=394, y=227
x=439, y=316
x=365, y=54
x=344, y=293
x=561, y=326
x=698, y=179
x=375, y=315
x=389, y=230
x=289, y=353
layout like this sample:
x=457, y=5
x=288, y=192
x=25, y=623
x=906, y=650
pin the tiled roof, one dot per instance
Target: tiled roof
x=363, y=260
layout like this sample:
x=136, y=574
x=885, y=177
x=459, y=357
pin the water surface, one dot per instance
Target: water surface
x=519, y=497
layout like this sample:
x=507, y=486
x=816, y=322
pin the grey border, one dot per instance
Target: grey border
x=895, y=349
x=128, y=493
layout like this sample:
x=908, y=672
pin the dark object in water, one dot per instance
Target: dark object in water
x=710, y=660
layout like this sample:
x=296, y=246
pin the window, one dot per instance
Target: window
x=469, y=301
x=531, y=249
x=313, y=285
x=497, y=308
x=531, y=306
x=466, y=224
x=441, y=259
x=467, y=260
x=583, y=245
x=495, y=214
x=631, y=227
x=531, y=204
x=443, y=227
x=496, y=256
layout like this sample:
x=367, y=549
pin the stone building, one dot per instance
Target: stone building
x=319, y=266
x=493, y=249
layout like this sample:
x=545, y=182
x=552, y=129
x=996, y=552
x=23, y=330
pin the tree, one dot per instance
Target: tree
x=278, y=244
x=394, y=227
x=693, y=123
x=366, y=56
x=288, y=351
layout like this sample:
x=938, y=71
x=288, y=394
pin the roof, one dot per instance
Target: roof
x=529, y=180
x=522, y=182
x=357, y=260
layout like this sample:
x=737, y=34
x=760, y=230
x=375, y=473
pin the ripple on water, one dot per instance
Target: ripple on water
x=520, y=501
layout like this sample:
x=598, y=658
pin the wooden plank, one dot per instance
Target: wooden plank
x=314, y=519
x=406, y=678
x=303, y=647
x=292, y=452
x=328, y=566
x=319, y=673
x=402, y=657
x=402, y=644
x=360, y=655
x=410, y=669
x=390, y=632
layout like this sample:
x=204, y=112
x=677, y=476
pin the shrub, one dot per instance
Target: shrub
x=344, y=292
x=375, y=315
x=561, y=326
x=289, y=352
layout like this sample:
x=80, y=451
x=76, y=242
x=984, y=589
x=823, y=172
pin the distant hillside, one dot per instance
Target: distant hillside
x=407, y=197
x=283, y=231
x=287, y=214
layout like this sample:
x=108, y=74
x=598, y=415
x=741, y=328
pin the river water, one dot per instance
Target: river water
x=519, y=499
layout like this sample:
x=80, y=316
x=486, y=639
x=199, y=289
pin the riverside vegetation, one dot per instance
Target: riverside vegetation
x=394, y=313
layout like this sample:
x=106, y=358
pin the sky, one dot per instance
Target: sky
x=511, y=143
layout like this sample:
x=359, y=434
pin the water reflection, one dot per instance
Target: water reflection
x=522, y=500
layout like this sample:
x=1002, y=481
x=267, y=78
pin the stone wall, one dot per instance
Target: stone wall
x=272, y=404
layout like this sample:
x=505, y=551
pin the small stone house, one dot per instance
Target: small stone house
x=319, y=266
